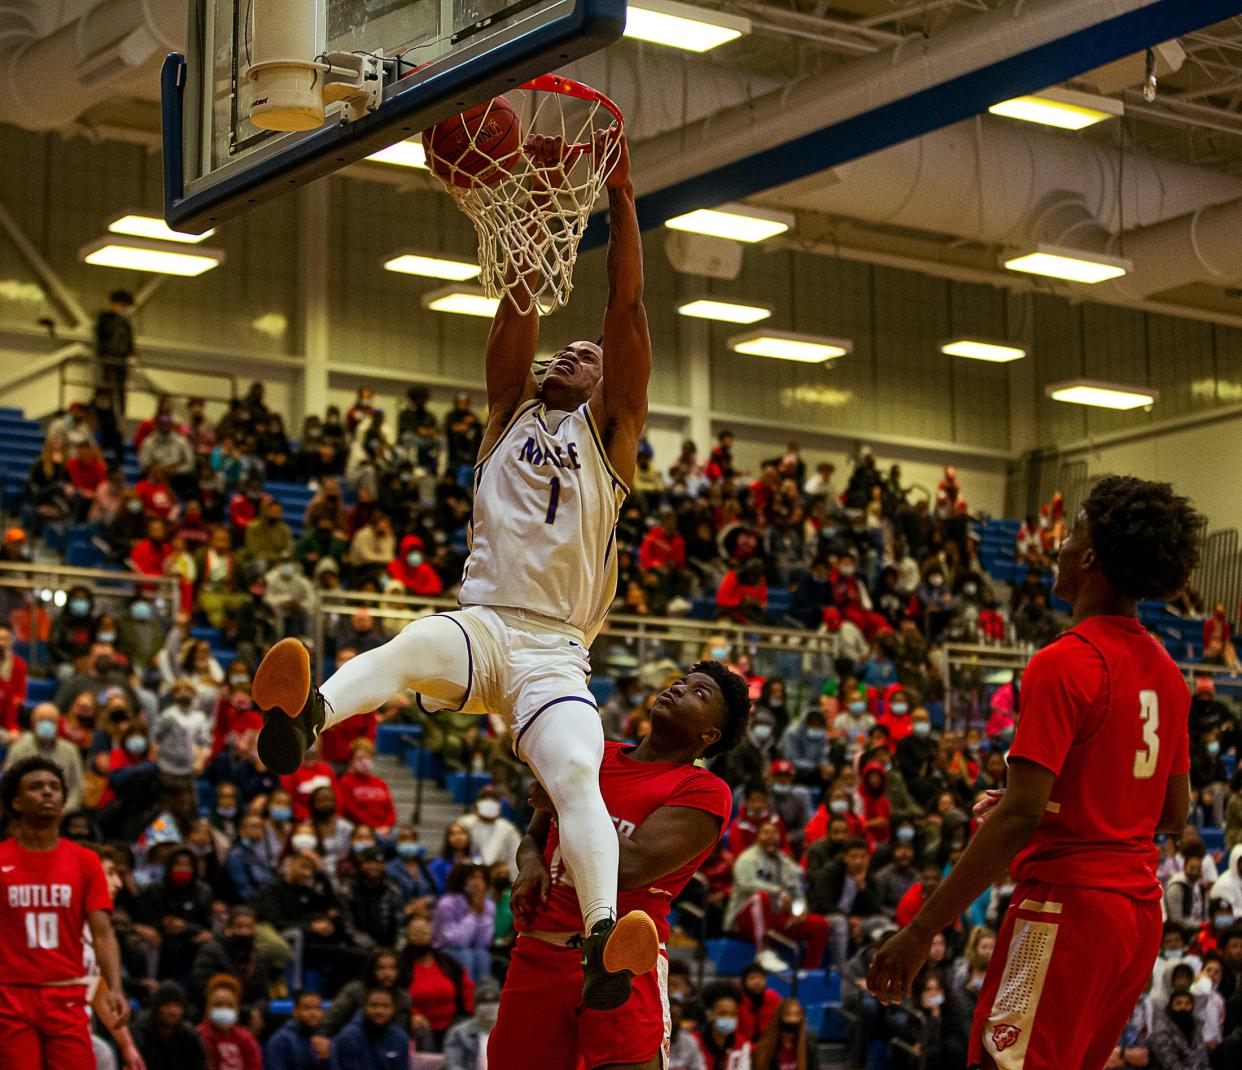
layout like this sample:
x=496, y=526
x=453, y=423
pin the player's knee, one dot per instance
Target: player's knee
x=574, y=775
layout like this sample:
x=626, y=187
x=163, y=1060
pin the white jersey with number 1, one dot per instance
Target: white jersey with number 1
x=543, y=533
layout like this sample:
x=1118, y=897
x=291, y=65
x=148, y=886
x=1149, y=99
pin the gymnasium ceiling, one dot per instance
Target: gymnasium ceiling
x=1195, y=121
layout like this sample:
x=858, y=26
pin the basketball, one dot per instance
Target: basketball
x=475, y=147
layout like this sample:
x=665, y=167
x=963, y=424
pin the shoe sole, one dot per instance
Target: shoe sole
x=281, y=746
x=283, y=680
x=633, y=945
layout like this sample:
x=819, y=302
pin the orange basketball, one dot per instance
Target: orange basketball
x=476, y=147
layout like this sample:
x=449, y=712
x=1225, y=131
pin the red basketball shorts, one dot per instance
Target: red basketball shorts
x=1069, y=966
x=45, y=1027
x=543, y=1025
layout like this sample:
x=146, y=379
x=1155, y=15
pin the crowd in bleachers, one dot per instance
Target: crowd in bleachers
x=242, y=891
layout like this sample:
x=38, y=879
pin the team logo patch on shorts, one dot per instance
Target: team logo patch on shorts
x=1005, y=1036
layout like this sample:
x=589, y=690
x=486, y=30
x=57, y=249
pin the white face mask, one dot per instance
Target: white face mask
x=488, y=809
x=303, y=841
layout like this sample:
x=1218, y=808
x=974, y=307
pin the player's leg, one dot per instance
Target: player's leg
x=537, y=1028
x=66, y=1030
x=20, y=1040
x=1055, y=967
x=432, y=656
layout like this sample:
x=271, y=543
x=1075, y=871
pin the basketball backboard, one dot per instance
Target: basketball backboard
x=437, y=57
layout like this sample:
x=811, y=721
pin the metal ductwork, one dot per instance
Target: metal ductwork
x=1200, y=247
x=48, y=78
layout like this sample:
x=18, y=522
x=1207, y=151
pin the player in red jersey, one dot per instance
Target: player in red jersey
x=668, y=814
x=1099, y=765
x=50, y=890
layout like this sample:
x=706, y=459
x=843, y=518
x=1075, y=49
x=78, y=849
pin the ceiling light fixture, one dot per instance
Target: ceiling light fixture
x=739, y=222
x=403, y=154
x=692, y=29
x=708, y=308
x=462, y=302
x=1073, y=265
x=1102, y=395
x=144, y=254
x=139, y=225
x=1065, y=109
x=433, y=267
x=786, y=345
x=977, y=349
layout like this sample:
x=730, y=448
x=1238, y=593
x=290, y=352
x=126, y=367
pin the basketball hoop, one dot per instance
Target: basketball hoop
x=531, y=218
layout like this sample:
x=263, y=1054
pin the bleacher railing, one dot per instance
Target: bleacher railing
x=974, y=673
x=626, y=642
x=47, y=585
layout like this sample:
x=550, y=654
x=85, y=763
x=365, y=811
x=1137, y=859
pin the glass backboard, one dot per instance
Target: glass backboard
x=439, y=56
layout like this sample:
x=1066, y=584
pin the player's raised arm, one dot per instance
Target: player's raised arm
x=620, y=406
x=510, y=351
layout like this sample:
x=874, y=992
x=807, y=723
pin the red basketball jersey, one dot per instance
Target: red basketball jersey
x=633, y=791
x=45, y=897
x=1105, y=708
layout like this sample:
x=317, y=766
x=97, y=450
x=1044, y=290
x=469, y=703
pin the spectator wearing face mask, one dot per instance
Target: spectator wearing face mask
x=178, y=907
x=73, y=631
x=1176, y=1042
x=750, y=759
x=229, y=1046
x=465, y=1045
x=1186, y=897
x=44, y=739
x=250, y=863
x=366, y=798
x=1228, y=886
x=854, y=720
x=410, y=869
x=493, y=838
x=374, y=903
x=724, y=1048
x=920, y=1042
x=182, y=733
x=806, y=746
x=291, y=597
x=1209, y=1003
x=234, y=953
x=896, y=716
x=411, y=569
x=791, y=803
x=838, y=804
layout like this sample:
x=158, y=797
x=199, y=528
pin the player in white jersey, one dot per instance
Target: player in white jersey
x=553, y=469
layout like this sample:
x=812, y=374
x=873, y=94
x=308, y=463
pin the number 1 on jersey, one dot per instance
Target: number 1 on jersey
x=1146, y=757
x=554, y=499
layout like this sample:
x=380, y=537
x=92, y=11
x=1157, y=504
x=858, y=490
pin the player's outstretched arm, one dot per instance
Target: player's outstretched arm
x=114, y=1010
x=986, y=858
x=620, y=405
x=510, y=353
x=663, y=843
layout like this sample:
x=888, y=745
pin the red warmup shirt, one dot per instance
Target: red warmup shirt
x=752, y=1021
x=230, y=1049
x=86, y=475
x=660, y=549
x=157, y=498
x=45, y=897
x=334, y=744
x=745, y=829
x=1105, y=708
x=733, y=592
x=150, y=556
x=13, y=694
x=633, y=791
x=366, y=800
x=434, y=996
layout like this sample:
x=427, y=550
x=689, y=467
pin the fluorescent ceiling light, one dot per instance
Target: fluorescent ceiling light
x=1062, y=108
x=1102, y=395
x=785, y=345
x=976, y=349
x=144, y=254
x=462, y=302
x=1073, y=265
x=149, y=226
x=692, y=29
x=433, y=267
x=403, y=154
x=739, y=222
x=706, y=308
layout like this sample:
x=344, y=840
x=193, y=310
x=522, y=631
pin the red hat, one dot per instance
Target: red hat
x=832, y=618
x=782, y=767
x=1205, y=685
x=14, y=535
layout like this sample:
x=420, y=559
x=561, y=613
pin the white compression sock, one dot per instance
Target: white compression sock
x=429, y=656
x=565, y=746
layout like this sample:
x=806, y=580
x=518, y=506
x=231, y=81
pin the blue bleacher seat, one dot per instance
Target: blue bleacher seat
x=465, y=787
x=394, y=738
x=602, y=687
x=1213, y=839
x=40, y=689
x=730, y=957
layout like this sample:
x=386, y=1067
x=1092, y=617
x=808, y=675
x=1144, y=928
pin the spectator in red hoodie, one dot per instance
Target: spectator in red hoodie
x=365, y=798
x=155, y=493
x=744, y=597
x=336, y=744
x=150, y=554
x=313, y=773
x=86, y=471
x=1217, y=635
x=896, y=715
x=244, y=507
x=758, y=1004
x=755, y=812
x=663, y=551
x=877, y=810
x=229, y=1046
x=12, y=682
x=413, y=571
x=912, y=902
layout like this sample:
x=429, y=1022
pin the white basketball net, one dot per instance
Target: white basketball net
x=531, y=221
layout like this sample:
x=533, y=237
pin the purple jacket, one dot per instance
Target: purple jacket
x=456, y=925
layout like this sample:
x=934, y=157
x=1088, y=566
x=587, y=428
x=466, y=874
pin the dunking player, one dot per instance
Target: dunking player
x=553, y=470
x=50, y=889
x=1099, y=765
x=668, y=815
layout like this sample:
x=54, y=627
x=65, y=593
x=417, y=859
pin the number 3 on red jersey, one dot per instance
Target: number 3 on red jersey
x=1146, y=757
